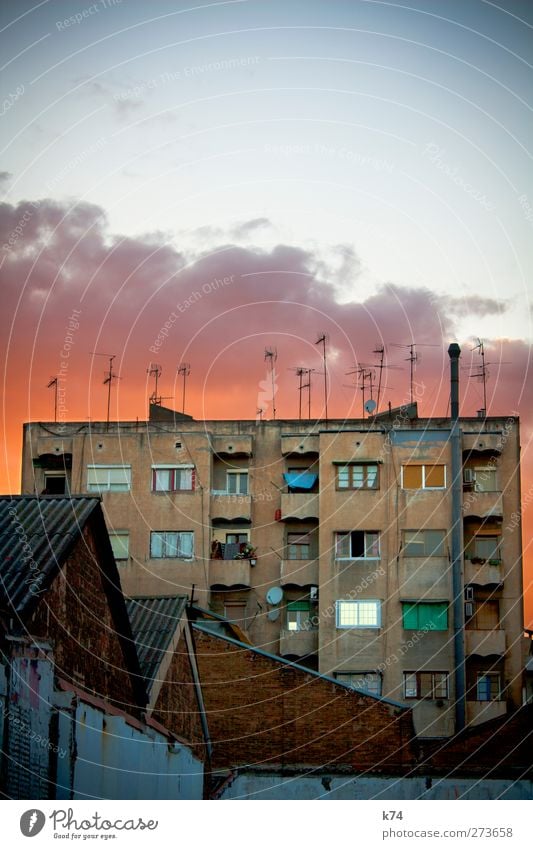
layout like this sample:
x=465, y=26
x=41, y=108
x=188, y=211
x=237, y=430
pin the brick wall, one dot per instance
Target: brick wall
x=74, y=616
x=177, y=707
x=262, y=711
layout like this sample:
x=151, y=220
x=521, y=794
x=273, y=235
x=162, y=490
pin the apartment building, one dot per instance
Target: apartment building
x=331, y=545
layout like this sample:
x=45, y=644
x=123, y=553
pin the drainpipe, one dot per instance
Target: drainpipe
x=454, y=353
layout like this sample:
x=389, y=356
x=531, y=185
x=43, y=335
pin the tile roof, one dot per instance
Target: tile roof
x=36, y=535
x=154, y=620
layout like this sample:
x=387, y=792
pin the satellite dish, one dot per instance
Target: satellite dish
x=370, y=405
x=274, y=595
x=272, y=615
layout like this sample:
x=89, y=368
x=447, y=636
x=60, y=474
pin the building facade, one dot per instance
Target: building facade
x=327, y=544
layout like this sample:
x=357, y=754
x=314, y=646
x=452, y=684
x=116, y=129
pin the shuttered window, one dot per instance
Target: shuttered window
x=432, y=616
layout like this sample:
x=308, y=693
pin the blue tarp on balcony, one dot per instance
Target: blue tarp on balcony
x=300, y=481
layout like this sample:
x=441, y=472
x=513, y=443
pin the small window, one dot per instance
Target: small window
x=298, y=546
x=298, y=616
x=486, y=479
x=430, y=616
x=236, y=539
x=488, y=688
x=358, y=614
x=237, y=483
x=425, y=543
x=235, y=611
x=425, y=685
x=358, y=476
x=177, y=544
x=485, y=616
x=350, y=545
x=484, y=546
x=369, y=682
x=423, y=476
x=172, y=479
x=120, y=543
x=55, y=483
x=108, y=478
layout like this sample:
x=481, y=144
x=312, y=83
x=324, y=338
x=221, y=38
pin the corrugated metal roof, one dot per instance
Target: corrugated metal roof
x=36, y=534
x=154, y=620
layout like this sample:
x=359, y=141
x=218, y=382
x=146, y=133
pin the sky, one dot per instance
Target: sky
x=198, y=182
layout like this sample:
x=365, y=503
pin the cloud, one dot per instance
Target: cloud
x=5, y=177
x=245, y=228
x=475, y=305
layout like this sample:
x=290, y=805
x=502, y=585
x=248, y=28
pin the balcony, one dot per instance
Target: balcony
x=299, y=444
x=299, y=573
x=298, y=643
x=483, y=442
x=299, y=505
x=477, y=712
x=483, y=505
x=229, y=573
x=233, y=446
x=489, y=572
x=230, y=507
x=485, y=642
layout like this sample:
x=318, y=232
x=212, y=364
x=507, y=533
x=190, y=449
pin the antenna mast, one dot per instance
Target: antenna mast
x=155, y=371
x=53, y=382
x=482, y=373
x=271, y=355
x=322, y=339
x=109, y=378
x=184, y=369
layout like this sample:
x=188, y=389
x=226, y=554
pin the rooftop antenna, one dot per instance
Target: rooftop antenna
x=259, y=413
x=412, y=359
x=184, y=369
x=365, y=374
x=483, y=373
x=300, y=372
x=108, y=380
x=155, y=371
x=271, y=355
x=53, y=382
x=323, y=338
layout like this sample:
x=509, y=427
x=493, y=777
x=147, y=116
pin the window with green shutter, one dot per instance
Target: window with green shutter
x=430, y=616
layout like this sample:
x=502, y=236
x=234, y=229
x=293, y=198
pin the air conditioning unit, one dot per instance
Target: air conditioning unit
x=469, y=476
x=469, y=609
x=313, y=593
x=469, y=593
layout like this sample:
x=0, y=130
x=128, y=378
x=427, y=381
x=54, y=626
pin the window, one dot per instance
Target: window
x=55, y=483
x=358, y=614
x=423, y=476
x=237, y=483
x=110, y=478
x=172, y=544
x=358, y=476
x=120, y=543
x=236, y=539
x=425, y=685
x=420, y=615
x=488, y=687
x=485, y=547
x=370, y=682
x=357, y=544
x=486, y=615
x=486, y=479
x=426, y=543
x=235, y=611
x=298, y=546
x=172, y=478
x=298, y=616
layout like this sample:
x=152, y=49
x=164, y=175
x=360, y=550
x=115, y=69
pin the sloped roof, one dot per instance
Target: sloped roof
x=154, y=620
x=36, y=535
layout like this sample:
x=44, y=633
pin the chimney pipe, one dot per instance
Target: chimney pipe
x=454, y=353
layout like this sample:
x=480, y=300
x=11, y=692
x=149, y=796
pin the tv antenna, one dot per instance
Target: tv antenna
x=323, y=338
x=155, y=370
x=380, y=351
x=412, y=359
x=271, y=355
x=300, y=373
x=108, y=380
x=367, y=377
x=53, y=382
x=259, y=413
x=184, y=369
x=483, y=372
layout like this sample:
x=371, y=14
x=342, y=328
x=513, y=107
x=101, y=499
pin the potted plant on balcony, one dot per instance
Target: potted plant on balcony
x=247, y=552
x=495, y=561
x=478, y=561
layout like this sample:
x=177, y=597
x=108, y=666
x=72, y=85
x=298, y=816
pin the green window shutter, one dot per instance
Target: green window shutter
x=410, y=616
x=298, y=605
x=433, y=616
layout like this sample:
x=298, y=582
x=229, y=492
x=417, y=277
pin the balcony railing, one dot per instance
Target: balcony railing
x=485, y=642
x=482, y=711
x=225, y=505
x=299, y=444
x=487, y=572
x=483, y=504
x=299, y=505
x=229, y=573
x=300, y=573
x=298, y=643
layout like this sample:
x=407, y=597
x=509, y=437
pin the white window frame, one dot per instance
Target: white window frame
x=108, y=486
x=357, y=604
x=166, y=543
x=350, y=678
x=365, y=556
x=349, y=469
x=115, y=535
x=423, y=466
x=238, y=473
x=172, y=467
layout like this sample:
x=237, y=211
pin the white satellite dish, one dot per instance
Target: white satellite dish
x=370, y=405
x=274, y=595
x=273, y=614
